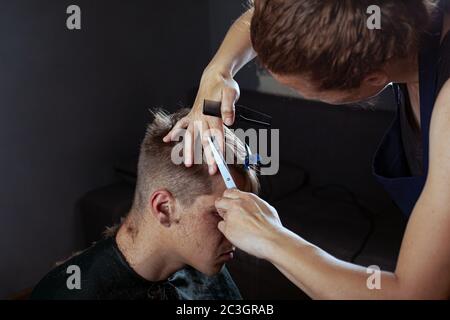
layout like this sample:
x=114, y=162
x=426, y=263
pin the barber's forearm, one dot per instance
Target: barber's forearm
x=236, y=49
x=322, y=276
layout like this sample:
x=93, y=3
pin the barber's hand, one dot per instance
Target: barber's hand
x=216, y=86
x=249, y=222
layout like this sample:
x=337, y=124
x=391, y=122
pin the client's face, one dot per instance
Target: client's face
x=202, y=245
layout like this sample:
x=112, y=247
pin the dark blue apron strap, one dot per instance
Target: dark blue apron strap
x=390, y=166
x=428, y=62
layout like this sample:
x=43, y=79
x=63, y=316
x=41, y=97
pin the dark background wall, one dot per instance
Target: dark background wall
x=72, y=103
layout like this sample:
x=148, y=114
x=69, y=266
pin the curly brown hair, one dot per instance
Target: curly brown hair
x=329, y=41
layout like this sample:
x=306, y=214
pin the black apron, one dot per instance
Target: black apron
x=390, y=166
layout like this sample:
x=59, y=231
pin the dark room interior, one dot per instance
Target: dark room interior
x=75, y=107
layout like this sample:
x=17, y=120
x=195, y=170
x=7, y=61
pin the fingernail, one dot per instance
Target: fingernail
x=211, y=170
x=228, y=121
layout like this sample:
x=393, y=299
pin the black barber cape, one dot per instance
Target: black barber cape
x=106, y=275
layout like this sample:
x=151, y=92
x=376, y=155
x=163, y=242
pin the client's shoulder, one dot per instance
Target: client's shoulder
x=77, y=277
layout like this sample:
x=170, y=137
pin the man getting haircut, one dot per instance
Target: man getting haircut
x=168, y=246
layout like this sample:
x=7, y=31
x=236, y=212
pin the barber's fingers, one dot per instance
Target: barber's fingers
x=235, y=200
x=222, y=226
x=229, y=97
x=226, y=206
x=245, y=198
x=177, y=130
x=235, y=194
x=222, y=205
x=188, y=151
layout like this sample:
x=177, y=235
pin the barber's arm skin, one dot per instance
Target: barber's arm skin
x=423, y=267
x=217, y=84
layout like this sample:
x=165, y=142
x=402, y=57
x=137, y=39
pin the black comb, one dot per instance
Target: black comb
x=212, y=108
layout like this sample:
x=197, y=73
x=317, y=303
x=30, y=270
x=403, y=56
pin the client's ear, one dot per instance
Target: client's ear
x=163, y=207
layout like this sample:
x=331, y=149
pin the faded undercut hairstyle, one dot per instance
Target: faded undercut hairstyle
x=329, y=41
x=156, y=169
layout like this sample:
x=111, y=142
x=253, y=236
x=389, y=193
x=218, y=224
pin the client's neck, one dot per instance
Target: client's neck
x=145, y=250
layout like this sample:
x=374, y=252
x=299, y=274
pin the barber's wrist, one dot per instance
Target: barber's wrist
x=273, y=242
x=217, y=69
x=282, y=240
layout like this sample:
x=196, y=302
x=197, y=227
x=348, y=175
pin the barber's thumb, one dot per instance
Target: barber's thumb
x=228, y=108
x=221, y=226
